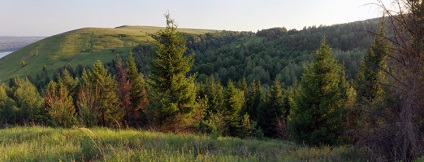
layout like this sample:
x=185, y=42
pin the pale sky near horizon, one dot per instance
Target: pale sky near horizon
x=50, y=17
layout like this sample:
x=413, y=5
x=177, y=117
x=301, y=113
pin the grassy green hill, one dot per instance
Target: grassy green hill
x=101, y=144
x=82, y=46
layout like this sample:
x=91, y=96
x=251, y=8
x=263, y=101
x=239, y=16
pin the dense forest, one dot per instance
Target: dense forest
x=358, y=83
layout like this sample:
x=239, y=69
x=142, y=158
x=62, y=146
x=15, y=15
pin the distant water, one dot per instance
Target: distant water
x=2, y=54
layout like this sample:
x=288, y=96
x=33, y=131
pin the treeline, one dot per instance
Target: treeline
x=269, y=54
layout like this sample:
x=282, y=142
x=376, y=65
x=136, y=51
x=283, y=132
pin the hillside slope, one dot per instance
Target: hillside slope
x=82, y=46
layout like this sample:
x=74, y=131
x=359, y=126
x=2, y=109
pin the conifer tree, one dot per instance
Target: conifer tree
x=110, y=112
x=234, y=100
x=138, y=92
x=271, y=110
x=371, y=74
x=88, y=100
x=316, y=118
x=253, y=98
x=215, y=94
x=59, y=104
x=174, y=93
x=67, y=80
x=123, y=92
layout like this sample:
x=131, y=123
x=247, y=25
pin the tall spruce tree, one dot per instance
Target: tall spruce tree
x=109, y=112
x=59, y=104
x=234, y=100
x=253, y=98
x=316, y=118
x=173, y=93
x=271, y=110
x=88, y=100
x=138, y=92
x=123, y=92
x=371, y=74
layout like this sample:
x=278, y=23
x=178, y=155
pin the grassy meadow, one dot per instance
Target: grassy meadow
x=82, y=46
x=102, y=144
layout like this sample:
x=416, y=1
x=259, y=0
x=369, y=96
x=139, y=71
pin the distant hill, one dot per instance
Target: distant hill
x=82, y=46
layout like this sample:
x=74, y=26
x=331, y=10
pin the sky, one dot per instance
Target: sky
x=50, y=17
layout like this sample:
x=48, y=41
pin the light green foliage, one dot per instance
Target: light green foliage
x=68, y=81
x=173, y=93
x=316, y=118
x=28, y=102
x=247, y=127
x=100, y=144
x=7, y=113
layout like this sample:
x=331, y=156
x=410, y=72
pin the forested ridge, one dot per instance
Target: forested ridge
x=351, y=84
x=270, y=53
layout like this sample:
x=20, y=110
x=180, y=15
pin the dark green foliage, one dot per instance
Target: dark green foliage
x=371, y=75
x=214, y=92
x=271, y=109
x=109, y=112
x=234, y=100
x=316, y=116
x=253, y=97
x=138, y=93
x=173, y=93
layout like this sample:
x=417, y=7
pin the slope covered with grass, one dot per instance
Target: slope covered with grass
x=82, y=46
x=100, y=144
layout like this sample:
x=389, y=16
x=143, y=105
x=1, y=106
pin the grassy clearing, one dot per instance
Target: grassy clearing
x=81, y=46
x=101, y=144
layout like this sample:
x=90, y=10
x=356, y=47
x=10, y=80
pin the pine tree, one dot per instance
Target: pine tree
x=59, y=104
x=110, y=112
x=215, y=94
x=138, y=92
x=234, y=100
x=67, y=80
x=174, y=93
x=88, y=100
x=371, y=75
x=253, y=98
x=123, y=92
x=316, y=118
x=271, y=110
